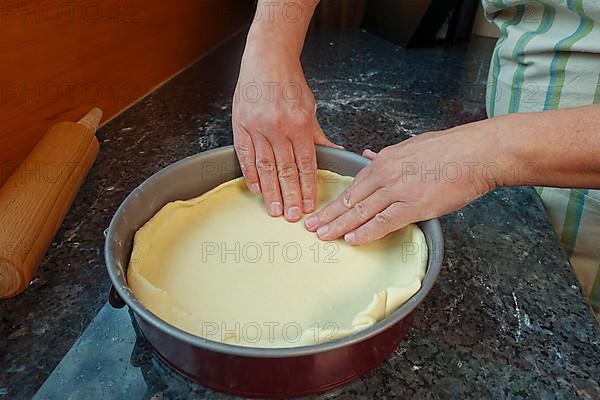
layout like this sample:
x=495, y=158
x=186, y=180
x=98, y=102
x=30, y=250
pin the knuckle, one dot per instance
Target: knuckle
x=347, y=197
x=381, y=219
x=361, y=210
x=249, y=172
x=265, y=165
x=250, y=176
x=266, y=170
x=245, y=166
x=287, y=171
x=242, y=147
x=306, y=165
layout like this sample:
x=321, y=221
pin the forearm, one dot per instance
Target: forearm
x=559, y=148
x=281, y=26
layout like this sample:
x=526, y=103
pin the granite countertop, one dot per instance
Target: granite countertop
x=506, y=318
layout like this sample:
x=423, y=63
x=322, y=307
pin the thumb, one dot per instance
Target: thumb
x=369, y=154
x=321, y=139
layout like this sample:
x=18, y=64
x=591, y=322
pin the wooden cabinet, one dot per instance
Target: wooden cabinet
x=61, y=57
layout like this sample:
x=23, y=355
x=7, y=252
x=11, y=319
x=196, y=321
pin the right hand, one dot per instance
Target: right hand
x=275, y=130
x=424, y=177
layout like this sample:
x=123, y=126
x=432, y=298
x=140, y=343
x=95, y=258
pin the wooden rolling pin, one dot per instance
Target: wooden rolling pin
x=37, y=196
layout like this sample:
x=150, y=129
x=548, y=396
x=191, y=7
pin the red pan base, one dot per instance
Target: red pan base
x=275, y=377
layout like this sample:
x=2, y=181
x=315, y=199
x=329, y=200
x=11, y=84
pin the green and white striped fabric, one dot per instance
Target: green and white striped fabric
x=548, y=57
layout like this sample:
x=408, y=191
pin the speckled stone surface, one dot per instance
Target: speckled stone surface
x=505, y=320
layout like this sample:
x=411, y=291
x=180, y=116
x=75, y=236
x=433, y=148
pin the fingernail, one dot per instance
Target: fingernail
x=308, y=206
x=311, y=221
x=323, y=230
x=255, y=188
x=349, y=237
x=276, y=209
x=294, y=213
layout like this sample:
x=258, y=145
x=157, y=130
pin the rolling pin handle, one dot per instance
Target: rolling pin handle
x=92, y=119
x=114, y=299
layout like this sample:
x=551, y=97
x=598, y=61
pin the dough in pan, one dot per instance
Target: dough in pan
x=218, y=267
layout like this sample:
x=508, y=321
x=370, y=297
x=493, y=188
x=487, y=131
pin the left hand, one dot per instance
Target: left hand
x=421, y=178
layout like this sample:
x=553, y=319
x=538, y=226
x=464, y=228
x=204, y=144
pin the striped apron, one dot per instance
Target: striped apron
x=548, y=57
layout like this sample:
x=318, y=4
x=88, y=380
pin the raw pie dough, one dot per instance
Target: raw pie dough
x=216, y=266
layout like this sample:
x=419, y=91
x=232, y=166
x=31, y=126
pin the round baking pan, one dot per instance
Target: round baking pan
x=249, y=371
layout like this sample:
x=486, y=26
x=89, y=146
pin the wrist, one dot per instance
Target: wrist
x=515, y=151
x=273, y=46
x=281, y=28
x=493, y=162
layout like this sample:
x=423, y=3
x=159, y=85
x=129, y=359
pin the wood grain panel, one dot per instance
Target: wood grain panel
x=61, y=57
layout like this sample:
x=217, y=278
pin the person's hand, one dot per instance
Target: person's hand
x=275, y=130
x=421, y=178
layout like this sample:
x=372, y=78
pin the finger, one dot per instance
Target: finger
x=394, y=217
x=362, y=186
x=289, y=182
x=351, y=219
x=306, y=160
x=321, y=139
x=267, y=172
x=369, y=154
x=244, y=148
